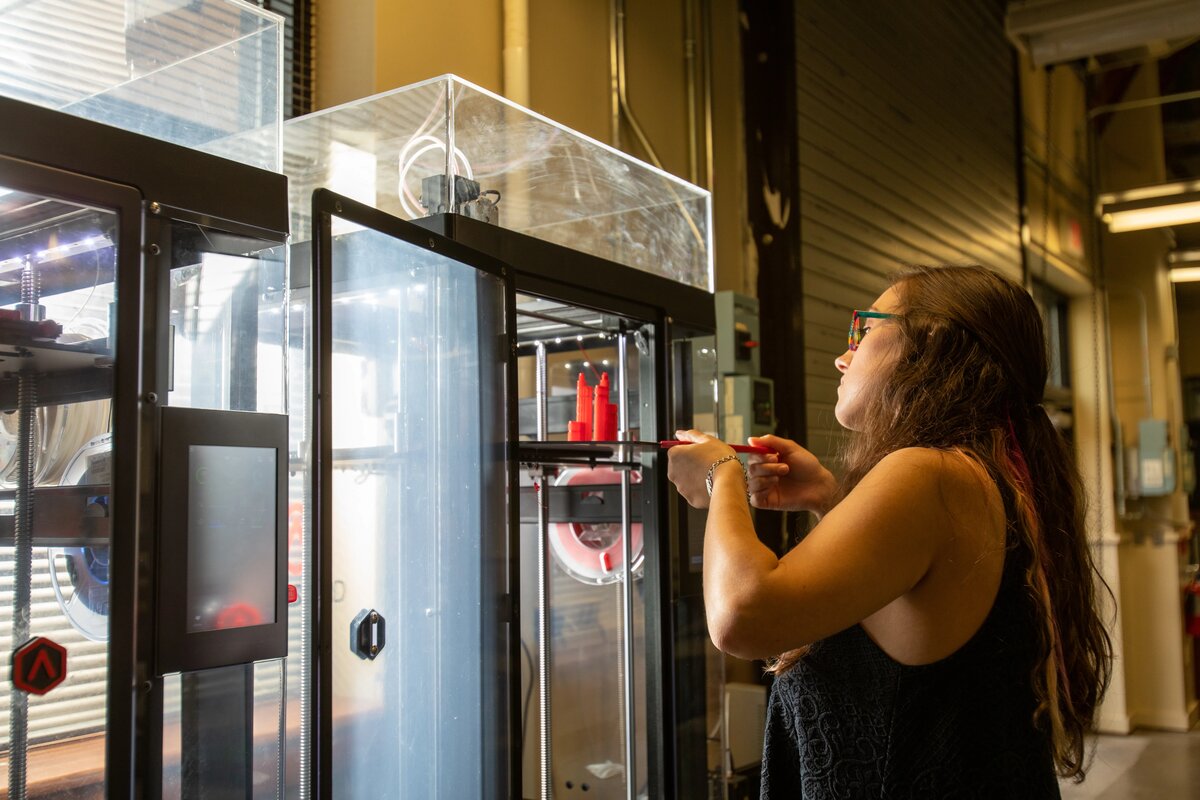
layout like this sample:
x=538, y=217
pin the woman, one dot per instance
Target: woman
x=938, y=628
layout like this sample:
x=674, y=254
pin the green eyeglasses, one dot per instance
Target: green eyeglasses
x=858, y=330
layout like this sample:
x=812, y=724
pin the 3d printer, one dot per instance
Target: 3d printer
x=533, y=602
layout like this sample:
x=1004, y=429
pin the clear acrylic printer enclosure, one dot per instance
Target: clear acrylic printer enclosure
x=204, y=75
x=591, y=668
x=544, y=179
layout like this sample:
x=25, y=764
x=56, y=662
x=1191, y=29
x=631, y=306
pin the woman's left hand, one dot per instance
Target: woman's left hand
x=687, y=464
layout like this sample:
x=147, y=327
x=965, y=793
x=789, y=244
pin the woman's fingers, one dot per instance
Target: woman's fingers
x=774, y=442
x=761, y=458
x=759, y=482
x=693, y=435
x=764, y=469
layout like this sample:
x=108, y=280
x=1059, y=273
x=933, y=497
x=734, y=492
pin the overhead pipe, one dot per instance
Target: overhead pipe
x=1145, y=102
x=706, y=41
x=689, y=75
x=516, y=51
x=617, y=49
x=697, y=57
x=517, y=89
x=616, y=19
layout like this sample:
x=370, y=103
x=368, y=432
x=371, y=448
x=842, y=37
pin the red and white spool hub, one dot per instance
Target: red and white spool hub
x=595, y=552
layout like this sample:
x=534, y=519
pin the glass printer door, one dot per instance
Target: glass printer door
x=68, y=249
x=412, y=345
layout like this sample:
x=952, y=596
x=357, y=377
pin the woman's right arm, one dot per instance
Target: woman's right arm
x=792, y=479
x=873, y=547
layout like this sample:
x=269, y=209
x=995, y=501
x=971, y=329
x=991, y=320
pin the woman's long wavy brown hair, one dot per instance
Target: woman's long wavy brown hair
x=969, y=378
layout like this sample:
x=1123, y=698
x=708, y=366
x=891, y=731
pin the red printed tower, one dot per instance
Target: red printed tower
x=604, y=428
x=595, y=417
x=580, y=429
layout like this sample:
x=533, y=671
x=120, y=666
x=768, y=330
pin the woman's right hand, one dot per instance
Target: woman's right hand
x=791, y=479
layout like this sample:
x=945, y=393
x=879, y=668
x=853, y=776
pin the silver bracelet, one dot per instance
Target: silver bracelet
x=712, y=468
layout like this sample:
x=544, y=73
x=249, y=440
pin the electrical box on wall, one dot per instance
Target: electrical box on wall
x=737, y=334
x=1155, y=459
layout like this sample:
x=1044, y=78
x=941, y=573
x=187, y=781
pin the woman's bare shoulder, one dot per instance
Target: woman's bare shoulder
x=931, y=463
x=954, y=477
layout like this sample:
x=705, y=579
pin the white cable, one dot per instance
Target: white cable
x=403, y=189
x=407, y=161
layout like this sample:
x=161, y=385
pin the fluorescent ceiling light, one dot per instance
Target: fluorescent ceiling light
x=1138, y=219
x=1183, y=256
x=1184, y=274
x=1054, y=31
x=1150, y=207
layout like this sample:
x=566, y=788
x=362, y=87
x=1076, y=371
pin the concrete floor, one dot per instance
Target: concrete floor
x=1145, y=764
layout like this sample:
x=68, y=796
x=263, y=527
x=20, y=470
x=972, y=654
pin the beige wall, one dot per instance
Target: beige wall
x=418, y=40
x=345, y=62
x=568, y=64
x=369, y=46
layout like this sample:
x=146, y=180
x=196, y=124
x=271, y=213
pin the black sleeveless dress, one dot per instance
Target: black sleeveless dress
x=850, y=722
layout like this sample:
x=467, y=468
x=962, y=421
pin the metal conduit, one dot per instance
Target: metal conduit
x=689, y=60
x=707, y=49
x=698, y=57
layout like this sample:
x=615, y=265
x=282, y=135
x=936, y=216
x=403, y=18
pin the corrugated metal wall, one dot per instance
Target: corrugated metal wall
x=907, y=155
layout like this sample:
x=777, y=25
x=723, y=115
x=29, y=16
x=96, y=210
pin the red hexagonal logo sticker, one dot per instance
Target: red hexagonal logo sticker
x=39, y=665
